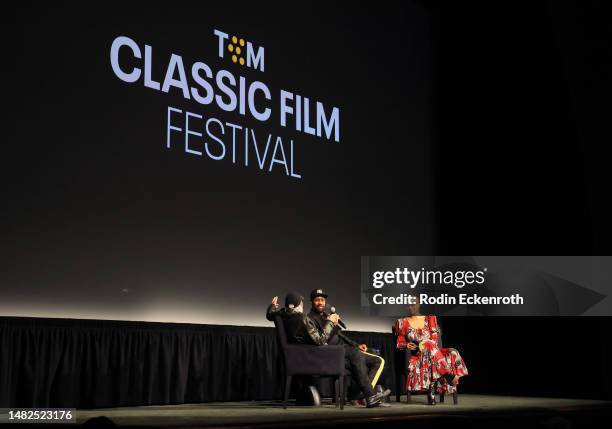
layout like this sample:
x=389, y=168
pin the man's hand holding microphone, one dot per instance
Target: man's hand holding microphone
x=334, y=318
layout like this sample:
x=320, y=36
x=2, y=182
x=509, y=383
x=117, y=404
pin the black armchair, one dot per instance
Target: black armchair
x=402, y=359
x=301, y=359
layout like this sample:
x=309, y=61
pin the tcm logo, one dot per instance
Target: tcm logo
x=240, y=51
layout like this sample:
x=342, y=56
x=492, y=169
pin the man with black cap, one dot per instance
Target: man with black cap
x=369, y=366
x=298, y=327
x=301, y=329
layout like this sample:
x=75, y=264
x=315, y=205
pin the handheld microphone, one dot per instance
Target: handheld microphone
x=332, y=310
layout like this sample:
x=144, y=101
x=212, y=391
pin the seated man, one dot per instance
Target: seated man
x=301, y=329
x=353, y=350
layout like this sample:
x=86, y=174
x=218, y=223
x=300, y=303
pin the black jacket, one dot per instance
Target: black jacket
x=299, y=327
x=336, y=336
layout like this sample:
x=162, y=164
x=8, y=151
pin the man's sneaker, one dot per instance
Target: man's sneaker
x=383, y=392
x=377, y=400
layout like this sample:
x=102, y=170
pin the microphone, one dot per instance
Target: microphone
x=332, y=310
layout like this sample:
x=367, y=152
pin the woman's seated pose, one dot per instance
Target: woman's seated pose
x=431, y=369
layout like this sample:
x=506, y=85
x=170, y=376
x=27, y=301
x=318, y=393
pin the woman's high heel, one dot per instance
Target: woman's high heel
x=431, y=395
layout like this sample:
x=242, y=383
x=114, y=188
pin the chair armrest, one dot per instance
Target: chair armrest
x=314, y=360
x=402, y=359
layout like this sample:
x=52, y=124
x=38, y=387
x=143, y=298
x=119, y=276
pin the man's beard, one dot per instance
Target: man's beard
x=319, y=309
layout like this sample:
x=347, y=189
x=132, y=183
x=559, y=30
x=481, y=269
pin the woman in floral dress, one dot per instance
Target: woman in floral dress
x=431, y=369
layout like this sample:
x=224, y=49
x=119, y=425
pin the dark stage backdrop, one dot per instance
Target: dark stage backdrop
x=101, y=220
x=87, y=363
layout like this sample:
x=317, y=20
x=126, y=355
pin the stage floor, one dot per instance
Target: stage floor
x=472, y=409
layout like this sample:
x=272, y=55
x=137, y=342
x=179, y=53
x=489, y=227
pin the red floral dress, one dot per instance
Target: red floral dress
x=431, y=363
